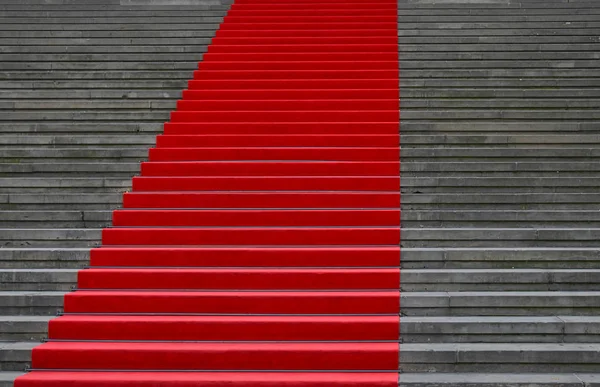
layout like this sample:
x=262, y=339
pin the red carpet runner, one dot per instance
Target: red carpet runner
x=260, y=245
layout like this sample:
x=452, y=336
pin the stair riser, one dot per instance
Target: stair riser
x=266, y=200
x=67, y=285
x=258, y=183
x=256, y=218
x=181, y=169
x=229, y=329
x=320, y=142
x=324, y=154
x=240, y=279
x=279, y=94
x=252, y=236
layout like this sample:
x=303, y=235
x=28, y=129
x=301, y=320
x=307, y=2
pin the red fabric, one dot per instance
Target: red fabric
x=215, y=356
x=274, y=236
x=255, y=168
x=240, y=279
x=172, y=302
x=263, y=233
x=266, y=200
x=254, y=217
x=206, y=379
x=281, y=140
x=226, y=328
x=246, y=256
x=270, y=183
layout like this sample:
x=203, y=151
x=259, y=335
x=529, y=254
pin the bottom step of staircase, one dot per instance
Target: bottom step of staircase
x=263, y=379
x=195, y=379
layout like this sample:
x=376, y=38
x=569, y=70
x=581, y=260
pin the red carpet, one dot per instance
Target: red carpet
x=260, y=245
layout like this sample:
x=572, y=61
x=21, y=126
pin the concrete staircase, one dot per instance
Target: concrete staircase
x=500, y=136
x=501, y=241
x=84, y=88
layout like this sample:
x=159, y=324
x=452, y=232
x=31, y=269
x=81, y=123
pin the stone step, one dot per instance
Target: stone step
x=485, y=128
x=83, y=115
x=103, y=186
x=78, y=49
x=501, y=201
x=16, y=356
x=513, y=357
x=99, y=75
x=31, y=303
x=413, y=280
x=470, y=280
x=110, y=169
x=447, y=329
x=409, y=169
x=59, y=238
x=498, y=329
x=493, y=32
x=403, y=10
x=102, y=57
x=407, y=103
x=411, y=237
x=23, y=328
x=506, y=8
x=473, y=142
x=497, y=167
x=437, y=201
x=180, y=38
x=497, y=218
x=575, y=49
x=500, y=237
x=500, y=258
x=483, y=48
x=516, y=114
x=457, y=154
x=93, y=155
x=108, y=34
x=188, y=65
x=93, y=94
x=43, y=258
x=98, y=214
x=506, y=174
x=82, y=128
x=439, y=357
x=495, y=379
x=492, y=184
x=507, y=20
x=456, y=23
x=458, y=379
x=7, y=378
x=490, y=103
x=116, y=14
x=110, y=4
x=510, y=72
x=66, y=185
x=45, y=218
x=487, y=59
x=495, y=82
x=134, y=19
x=77, y=207
x=484, y=38
x=37, y=280
x=119, y=105
x=412, y=258
x=480, y=303
x=512, y=143
x=94, y=84
x=69, y=140
x=500, y=303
